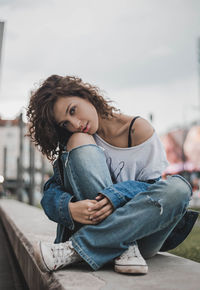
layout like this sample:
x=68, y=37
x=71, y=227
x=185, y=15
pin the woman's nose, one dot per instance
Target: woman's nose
x=76, y=124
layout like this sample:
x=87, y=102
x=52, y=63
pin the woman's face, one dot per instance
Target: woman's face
x=76, y=115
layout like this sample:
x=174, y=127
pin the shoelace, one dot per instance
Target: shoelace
x=59, y=252
x=131, y=252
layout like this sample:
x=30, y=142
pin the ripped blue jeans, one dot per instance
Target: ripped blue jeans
x=143, y=213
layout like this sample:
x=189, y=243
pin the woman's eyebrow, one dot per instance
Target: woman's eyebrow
x=60, y=123
x=68, y=108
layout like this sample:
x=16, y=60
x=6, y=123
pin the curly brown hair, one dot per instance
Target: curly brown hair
x=43, y=129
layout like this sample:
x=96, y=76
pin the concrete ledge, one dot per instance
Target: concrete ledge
x=25, y=225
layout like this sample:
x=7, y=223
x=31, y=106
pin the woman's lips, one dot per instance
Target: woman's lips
x=86, y=129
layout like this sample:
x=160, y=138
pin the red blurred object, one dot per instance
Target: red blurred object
x=183, y=151
x=192, y=146
x=173, y=146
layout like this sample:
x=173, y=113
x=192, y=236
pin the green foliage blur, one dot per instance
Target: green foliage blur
x=190, y=248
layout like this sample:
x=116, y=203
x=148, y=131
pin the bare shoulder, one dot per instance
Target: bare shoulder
x=141, y=131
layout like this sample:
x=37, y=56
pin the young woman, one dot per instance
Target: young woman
x=106, y=194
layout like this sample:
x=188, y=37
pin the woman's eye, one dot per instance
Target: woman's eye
x=64, y=124
x=72, y=110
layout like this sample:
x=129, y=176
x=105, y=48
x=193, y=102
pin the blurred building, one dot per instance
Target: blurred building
x=9, y=139
x=10, y=144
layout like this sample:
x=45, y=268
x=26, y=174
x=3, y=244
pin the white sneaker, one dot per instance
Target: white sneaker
x=131, y=261
x=51, y=257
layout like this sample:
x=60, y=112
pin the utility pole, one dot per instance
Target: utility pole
x=5, y=162
x=31, y=173
x=5, y=166
x=1, y=40
x=20, y=159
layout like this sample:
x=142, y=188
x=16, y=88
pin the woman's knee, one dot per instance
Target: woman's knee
x=178, y=189
x=84, y=154
x=78, y=139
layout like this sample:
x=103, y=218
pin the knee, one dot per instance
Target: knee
x=86, y=157
x=78, y=139
x=178, y=189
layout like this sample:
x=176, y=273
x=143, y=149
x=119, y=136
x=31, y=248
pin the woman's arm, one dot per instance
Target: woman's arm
x=55, y=203
x=61, y=206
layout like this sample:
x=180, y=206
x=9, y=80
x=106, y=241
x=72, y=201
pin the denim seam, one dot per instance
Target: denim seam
x=82, y=253
x=66, y=160
x=118, y=201
x=57, y=175
x=115, y=201
x=112, y=190
x=72, y=227
x=69, y=221
x=70, y=168
x=121, y=196
x=61, y=207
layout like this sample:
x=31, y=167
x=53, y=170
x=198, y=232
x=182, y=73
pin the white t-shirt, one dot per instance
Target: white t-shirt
x=141, y=162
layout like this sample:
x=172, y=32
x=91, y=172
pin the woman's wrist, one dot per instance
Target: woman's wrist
x=71, y=209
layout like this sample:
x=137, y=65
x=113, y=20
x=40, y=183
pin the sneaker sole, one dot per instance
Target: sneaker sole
x=39, y=258
x=131, y=269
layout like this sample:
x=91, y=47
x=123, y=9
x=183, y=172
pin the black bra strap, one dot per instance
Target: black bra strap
x=129, y=133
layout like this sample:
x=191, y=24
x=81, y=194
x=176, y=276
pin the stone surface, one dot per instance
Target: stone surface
x=10, y=274
x=26, y=224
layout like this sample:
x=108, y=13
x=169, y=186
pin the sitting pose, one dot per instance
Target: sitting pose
x=106, y=195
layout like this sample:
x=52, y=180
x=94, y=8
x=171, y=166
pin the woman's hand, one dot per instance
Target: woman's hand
x=101, y=210
x=91, y=212
x=81, y=211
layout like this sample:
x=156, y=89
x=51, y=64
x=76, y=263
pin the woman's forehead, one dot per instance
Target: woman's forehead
x=62, y=105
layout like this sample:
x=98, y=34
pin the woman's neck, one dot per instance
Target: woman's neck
x=114, y=126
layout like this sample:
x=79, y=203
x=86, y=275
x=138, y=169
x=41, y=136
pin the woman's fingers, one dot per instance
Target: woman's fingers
x=89, y=221
x=101, y=212
x=100, y=196
x=99, y=204
x=91, y=211
x=79, y=211
x=103, y=216
x=97, y=216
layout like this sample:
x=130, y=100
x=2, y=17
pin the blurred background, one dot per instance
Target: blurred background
x=144, y=55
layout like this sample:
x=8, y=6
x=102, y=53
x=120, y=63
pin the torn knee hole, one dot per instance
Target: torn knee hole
x=157, y=203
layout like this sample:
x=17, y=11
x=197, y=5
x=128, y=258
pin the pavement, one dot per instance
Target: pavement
x=26, y=224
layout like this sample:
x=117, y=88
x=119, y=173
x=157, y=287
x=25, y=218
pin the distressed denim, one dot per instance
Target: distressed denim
x=143, y=212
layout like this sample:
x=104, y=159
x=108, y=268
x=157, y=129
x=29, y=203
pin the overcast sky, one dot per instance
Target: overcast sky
x=142, y=53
